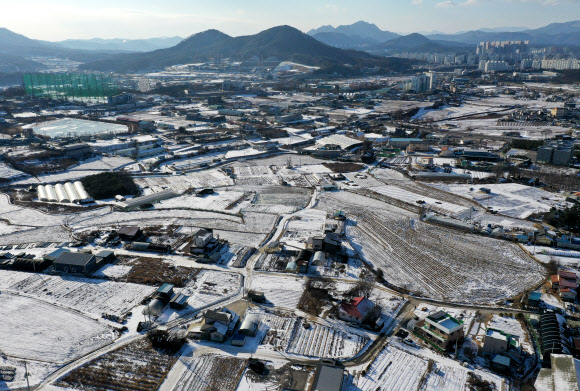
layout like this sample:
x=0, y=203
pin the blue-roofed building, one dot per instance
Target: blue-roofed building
x=567, y=241
x=534, y=299
x=500, y=363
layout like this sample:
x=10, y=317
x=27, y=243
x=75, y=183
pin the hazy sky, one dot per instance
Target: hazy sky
x=62, y=19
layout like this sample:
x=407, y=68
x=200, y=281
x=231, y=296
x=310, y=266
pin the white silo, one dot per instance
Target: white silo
x=61, y=193
x=51, y=193
x=71, y=192
x=42, y=196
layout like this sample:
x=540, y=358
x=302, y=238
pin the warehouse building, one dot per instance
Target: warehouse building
x=147, y=199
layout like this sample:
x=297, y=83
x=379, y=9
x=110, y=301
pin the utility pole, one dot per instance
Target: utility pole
x=26, y=375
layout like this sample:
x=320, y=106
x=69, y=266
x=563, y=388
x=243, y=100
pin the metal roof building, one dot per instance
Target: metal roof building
x=68, y=262
x=147, y=199
x=329, y=378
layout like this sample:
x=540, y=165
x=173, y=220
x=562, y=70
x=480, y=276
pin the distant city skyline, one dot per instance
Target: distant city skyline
x=132, y=19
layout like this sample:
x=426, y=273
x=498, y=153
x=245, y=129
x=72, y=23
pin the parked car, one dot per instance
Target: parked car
x=409, y=341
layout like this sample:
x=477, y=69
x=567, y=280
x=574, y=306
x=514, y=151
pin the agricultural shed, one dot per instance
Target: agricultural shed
x=250, y=325
x=68, y=262
x=178, y=301
x=55, y=254
x=130, y=232
x=147, y=199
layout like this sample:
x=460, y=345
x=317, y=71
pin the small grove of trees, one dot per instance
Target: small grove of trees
x=164, y=340
x=529, y=145
x=109, y=184
x=567, y=218
x=476, y=383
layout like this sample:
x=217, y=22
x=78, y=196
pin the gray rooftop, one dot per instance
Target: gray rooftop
x=77, y=259
x=329, y=379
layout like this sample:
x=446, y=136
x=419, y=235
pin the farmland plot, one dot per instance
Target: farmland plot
x=261, y=180
x=212, y=372
x=41, y=331
x=395, y=178
x=241, y=238
x=278, y=328
x=363, y=179
x=325, y=341
x=510, y=199
x=207, y=178
x=211, y=287
x=393, y=369
x=134, y=367
x=219, y=201
x=412, y=198
x=280, y=291
x=434, y=261
x=454, y=378
x=87, y=295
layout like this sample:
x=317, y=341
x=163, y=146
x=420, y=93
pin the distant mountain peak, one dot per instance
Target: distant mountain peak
x=356, y=36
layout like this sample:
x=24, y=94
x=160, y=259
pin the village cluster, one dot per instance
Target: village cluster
x=337, y=237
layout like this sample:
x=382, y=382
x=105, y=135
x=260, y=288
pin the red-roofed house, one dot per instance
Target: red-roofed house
x=565, y=282
x=357, y=310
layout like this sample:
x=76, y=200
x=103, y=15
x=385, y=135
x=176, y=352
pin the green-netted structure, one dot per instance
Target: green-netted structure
x=76, y=87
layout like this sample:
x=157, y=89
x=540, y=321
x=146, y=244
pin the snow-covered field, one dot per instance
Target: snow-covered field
x=412, y=198
x=91, y=296
x=280, y=291
x=112, y=271
x=511, y=199
x=393, y=369
x=220, y=200
x=37, y=371
x=433, y=261
x=208, y=178
x=34, y=329
x=329, y=340
x=211, y=372
x=405, y=368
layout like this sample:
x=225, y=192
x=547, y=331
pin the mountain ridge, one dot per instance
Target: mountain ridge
x=281, y=43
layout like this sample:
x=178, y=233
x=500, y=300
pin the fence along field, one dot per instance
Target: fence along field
x=431, y=260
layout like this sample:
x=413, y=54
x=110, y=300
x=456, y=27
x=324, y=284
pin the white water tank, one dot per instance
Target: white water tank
x=71, y=192
x=51, y=193
x=81, y=191
x=61, y=193
x=42, y=196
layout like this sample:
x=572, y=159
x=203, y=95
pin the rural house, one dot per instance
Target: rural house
x=357, y=310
